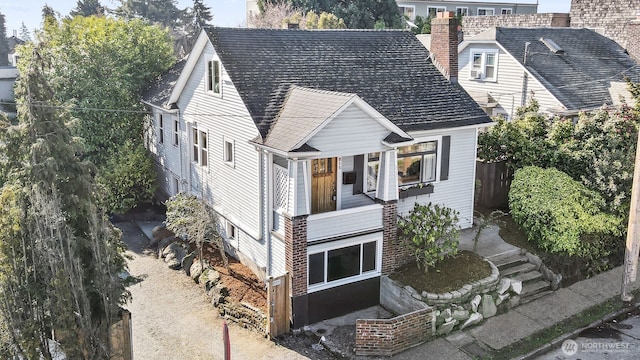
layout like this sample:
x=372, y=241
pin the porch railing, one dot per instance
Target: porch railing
x=344, y=222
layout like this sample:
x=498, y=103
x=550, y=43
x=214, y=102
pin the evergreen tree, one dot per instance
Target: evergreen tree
x=88, y=8
x=201, y=13
x=4, y=45
x=162, y=12
x=24, y=33
x=59, y=257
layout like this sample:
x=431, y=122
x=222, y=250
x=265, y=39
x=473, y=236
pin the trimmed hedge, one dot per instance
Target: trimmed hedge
x=561, y=215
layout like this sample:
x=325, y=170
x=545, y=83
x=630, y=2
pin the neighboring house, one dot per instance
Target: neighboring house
x=13, y=41
x=8, y=76
x=309, y=144
x=567, y=70
x=429, y=8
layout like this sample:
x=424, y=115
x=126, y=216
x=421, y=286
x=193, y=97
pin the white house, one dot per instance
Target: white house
x=309, y=144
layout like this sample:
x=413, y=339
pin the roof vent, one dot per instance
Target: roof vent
x=555, y=48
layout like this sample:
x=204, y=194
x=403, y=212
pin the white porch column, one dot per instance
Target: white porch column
x=387, y=187
x=299, y=177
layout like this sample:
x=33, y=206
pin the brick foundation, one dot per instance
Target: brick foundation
x=386, y=337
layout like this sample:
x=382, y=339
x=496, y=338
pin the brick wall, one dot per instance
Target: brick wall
x=610, y=17
x=472, y=25
x=386, y=337
x=295, y=238
x=444, y=44
x=395, y=252
x=633, y=32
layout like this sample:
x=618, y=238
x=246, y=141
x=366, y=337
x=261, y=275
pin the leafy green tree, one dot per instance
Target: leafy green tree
x=88, y=8
x=423, y=25
x=432, y=231
x=4, y=45
x=100, y=65
x=277, y=15
x=357, y=14
x=59, y=256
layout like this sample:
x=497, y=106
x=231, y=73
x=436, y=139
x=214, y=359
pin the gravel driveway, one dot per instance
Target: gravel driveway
x=172, y=319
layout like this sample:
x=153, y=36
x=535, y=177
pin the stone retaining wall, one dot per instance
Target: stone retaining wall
x=244, y=315
x=472, y=25
x=464, y=294
x=386, y=337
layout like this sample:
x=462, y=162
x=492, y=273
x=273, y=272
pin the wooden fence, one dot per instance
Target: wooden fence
x=121, y=346
x=494, y=182
x=278, y=305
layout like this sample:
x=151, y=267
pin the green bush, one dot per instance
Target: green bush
x=432, y=231
x=128, y=179
x=561, y=215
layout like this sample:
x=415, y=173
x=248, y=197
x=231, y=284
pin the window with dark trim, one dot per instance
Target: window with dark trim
x=176, y=134
x=417, y=163
x=213, y=76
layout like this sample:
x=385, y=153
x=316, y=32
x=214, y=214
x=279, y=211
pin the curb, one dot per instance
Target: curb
x=559, y=340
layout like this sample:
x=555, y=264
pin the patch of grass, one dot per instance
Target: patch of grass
x=449, y=274
x=542, y=337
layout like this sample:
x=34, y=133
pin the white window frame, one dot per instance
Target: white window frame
x=492, y=10
x=199, y=146
x=175, y=185
x=176, y=132
x=483, y=65
x=506, y=11
x=462, y=10
x=160, y=129
x=412, y=11
x=334, y=245
x=438, y=9
x=229, y=152
x=231, y=231
x=213, y=70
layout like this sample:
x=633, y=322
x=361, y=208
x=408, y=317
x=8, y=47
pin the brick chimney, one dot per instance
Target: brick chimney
x=444, y=44
x=633, y=38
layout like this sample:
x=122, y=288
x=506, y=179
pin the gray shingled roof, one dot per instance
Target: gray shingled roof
x=390, y=70
x=159, y=92
x=314, y=106
x=581, y=77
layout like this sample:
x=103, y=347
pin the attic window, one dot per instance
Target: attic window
x=555, y=48
x=213, y=77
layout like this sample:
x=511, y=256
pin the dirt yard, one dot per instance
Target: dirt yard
x=172, y=318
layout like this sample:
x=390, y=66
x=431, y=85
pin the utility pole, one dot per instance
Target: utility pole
x=633, y=242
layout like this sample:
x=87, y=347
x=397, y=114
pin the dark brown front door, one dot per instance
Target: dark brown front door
x=323, y=185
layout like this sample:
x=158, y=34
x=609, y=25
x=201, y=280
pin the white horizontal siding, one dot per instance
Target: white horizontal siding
x=352, y=132
x=343, y=222
x=507, y=89
x=234, y=191
x=165, y=154
x=457, y=191
x=278, y=260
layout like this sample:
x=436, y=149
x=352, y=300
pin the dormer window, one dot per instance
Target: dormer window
x=483, y=65
x=213, y=77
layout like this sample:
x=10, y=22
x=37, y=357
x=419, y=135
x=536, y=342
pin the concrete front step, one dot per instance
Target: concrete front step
x=507, y=261
x=528, y=277
x=531, y=288
x=517, y=270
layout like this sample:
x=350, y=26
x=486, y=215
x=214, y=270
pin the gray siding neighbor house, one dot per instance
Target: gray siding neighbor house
x=430, y=8
x=309, y=144
x=567, y=70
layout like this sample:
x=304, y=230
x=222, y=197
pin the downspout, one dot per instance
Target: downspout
x=265, y=161
x=525, y=76
x=182, y=171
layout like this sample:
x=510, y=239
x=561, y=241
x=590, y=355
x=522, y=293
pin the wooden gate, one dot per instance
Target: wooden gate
x=278, y=304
